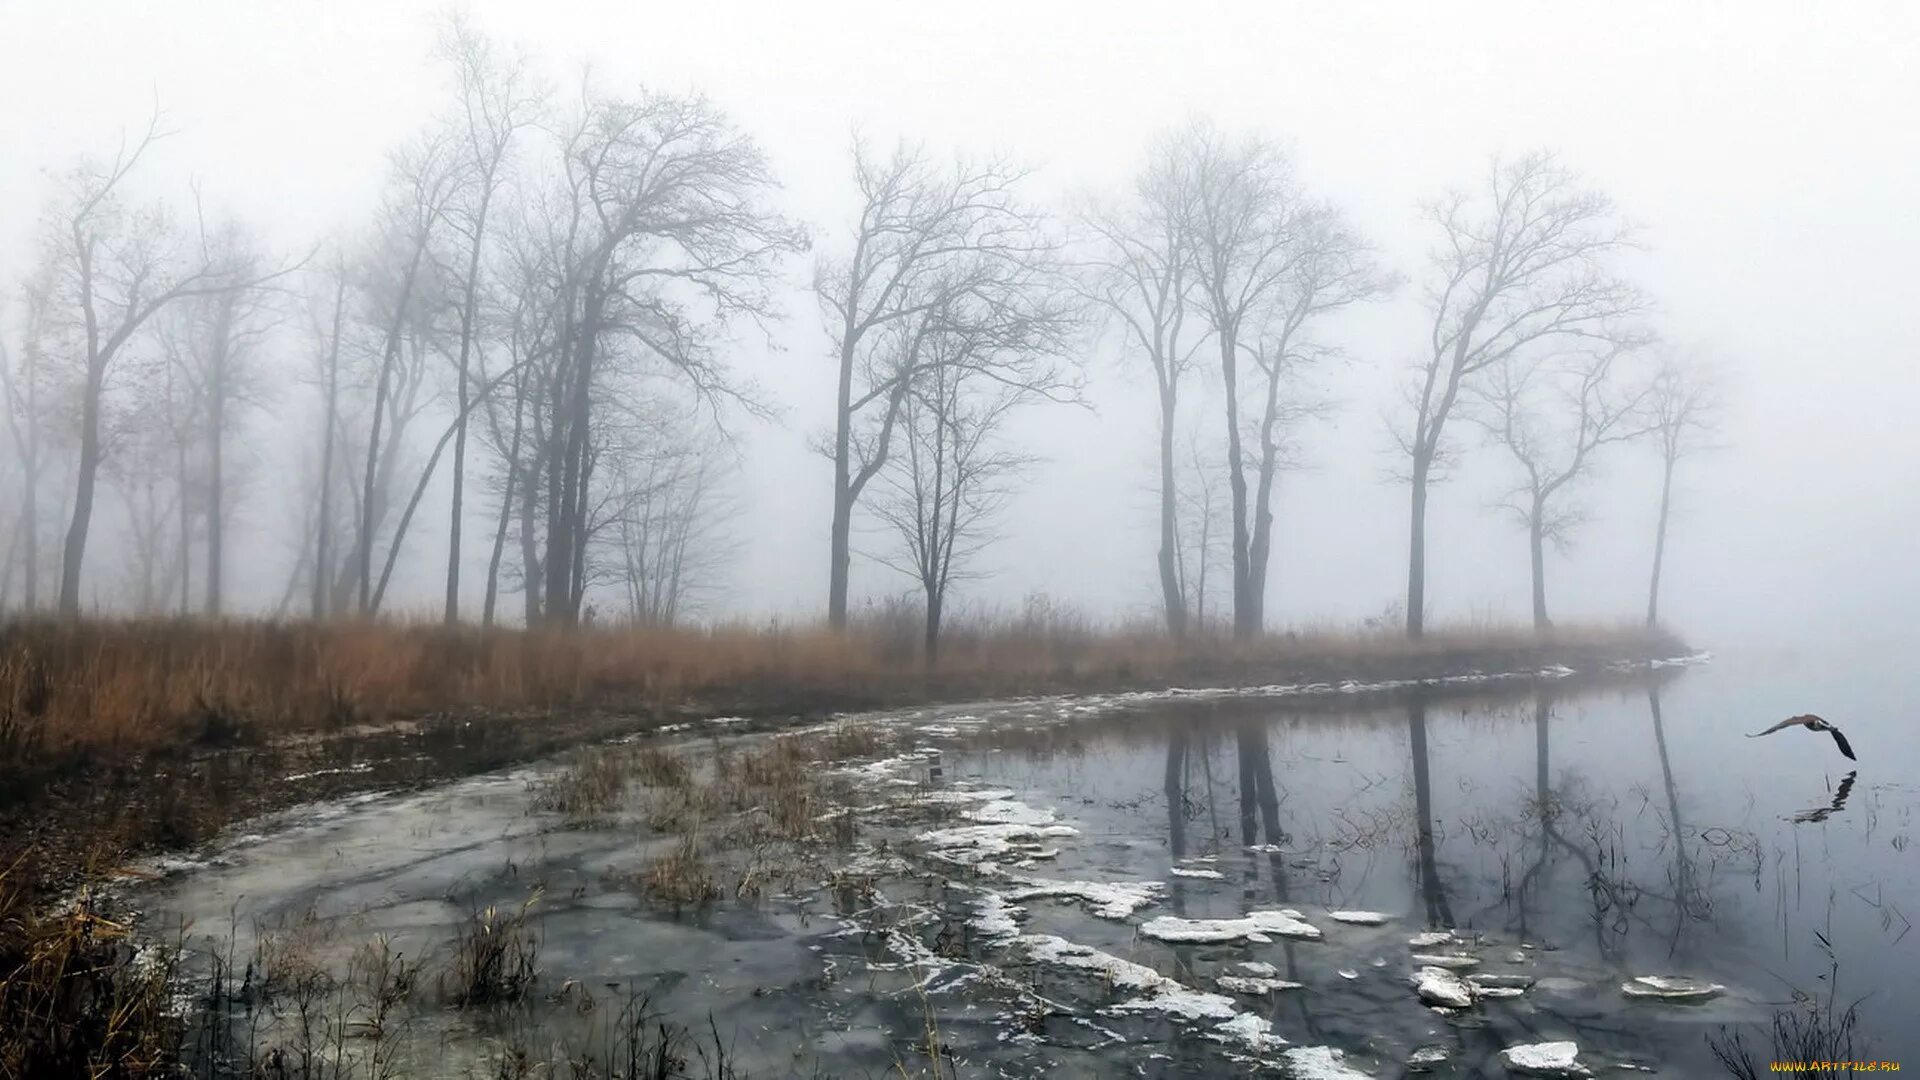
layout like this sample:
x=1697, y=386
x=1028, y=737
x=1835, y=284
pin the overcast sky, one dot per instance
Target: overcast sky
x=1766, y=150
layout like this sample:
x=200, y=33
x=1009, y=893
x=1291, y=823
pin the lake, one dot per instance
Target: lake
x=1147, y=884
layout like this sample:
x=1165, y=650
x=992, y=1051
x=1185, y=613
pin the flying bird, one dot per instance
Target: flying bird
x=1811, y=723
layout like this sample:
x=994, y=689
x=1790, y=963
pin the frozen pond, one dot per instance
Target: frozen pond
x=1456, y=879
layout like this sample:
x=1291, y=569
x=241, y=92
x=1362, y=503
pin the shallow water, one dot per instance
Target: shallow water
x=1571, y=835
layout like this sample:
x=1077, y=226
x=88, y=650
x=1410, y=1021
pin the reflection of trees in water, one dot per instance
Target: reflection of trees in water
x=1432, y=891
x=1259, y=804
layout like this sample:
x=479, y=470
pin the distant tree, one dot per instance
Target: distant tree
x=1682, y=412
x=1141, y=272
x=328, y=320
x=222, y=333
x=1329, y=268
x=1523, y=263
x=1202, y=531
x=32, y=390
x=667, y=509
x=495, y=102
x=952, y=476
x=1552, y=414
x=660, y=239
x=923, y=239
x=424, y=180
x=1269, y=260
x=117, y=267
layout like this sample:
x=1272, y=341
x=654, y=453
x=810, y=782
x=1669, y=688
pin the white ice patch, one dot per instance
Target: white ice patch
x=993, y=918
x=1431, y=938
x=1446, y=960
x=1049, y=949
x=1260, y=968
x=1320, y=1063
x=1009, y=812
x=1671, y=988
x=1108, y=899
x=1159, y=993
x=1285, y=922
x=1545, y=1059
x=1254, y=1031
x=1438, y=986
x=944, y=797
x=1209, y=875
x=967, y=844
x=1239, y=984
x=1359, y=918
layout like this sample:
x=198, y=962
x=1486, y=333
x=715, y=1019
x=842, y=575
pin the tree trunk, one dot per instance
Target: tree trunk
x=1417, y=549
x=1439, y=913
x=390, y=352
x=324, y=532
x=1536, y=552
x=933, y=627
x=1176, y=606
x=840, y=555
x=75, y=552
x=468, y=315
x=1660, y=543
x=216, y=423
x=1243, y=614
x=506, y=505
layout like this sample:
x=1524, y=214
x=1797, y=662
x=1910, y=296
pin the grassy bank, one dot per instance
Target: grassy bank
x=124, y=737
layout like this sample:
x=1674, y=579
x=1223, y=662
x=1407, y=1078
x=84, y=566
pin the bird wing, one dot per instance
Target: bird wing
x=1842, y=741
x=1789, y=722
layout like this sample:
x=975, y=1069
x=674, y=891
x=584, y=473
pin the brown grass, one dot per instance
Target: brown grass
x=106, y=687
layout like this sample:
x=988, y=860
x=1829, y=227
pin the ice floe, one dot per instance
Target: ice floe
x=1438, y=986
x=1196, y=872
x=1158, y=992
x=1320, y=1063
x=1359, y=918
x=1241, y=984
x=1284, y=922
x=1671, y=988
x=968, y=844
x=1009, y=812
x=993, y=918
x=1260, y=968
x=1430, y=938
x=1446, y=960
x=1545, y=1059
x=1107, y=899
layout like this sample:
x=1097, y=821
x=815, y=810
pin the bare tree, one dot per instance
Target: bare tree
x=668, y=508
x=117, y=268
x=1552, y=414
x=1202, y=531
x=326, y=332
x=1142, y=274
x=1524, y=260
x=495, y=103
x=923, y=238
x=1269, y=260
x=1683, y=415
x=662, y=242
x=222, y=333
x=1329, y=268
x=31, y=393
x=951, y=476
x=424, y=182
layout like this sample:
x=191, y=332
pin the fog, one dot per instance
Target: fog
x=1761, y=152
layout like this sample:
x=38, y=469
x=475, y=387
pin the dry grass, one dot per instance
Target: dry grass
x=134, y=685
x=73, y=999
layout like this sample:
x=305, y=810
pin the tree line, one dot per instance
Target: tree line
x=539, y=312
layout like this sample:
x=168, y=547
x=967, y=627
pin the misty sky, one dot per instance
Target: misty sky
x=1766, y=150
